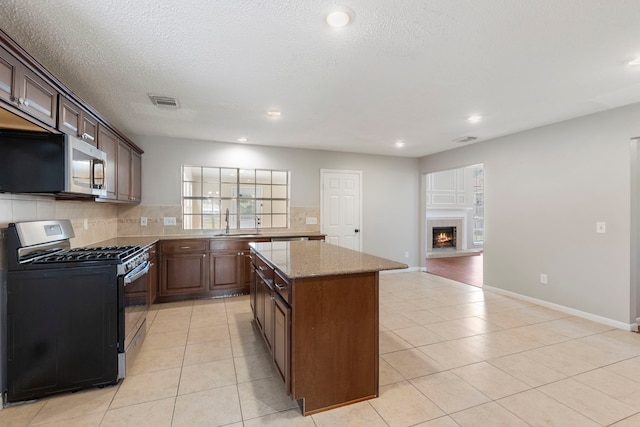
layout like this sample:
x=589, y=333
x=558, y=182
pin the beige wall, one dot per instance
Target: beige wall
x=545, y=189
x=390, y=185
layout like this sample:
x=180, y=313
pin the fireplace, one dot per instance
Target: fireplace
x=444, y=237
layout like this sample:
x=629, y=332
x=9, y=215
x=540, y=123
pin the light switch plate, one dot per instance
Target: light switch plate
x=143, y=221
x=601, y=227
x=312, y=220
x=169, y=220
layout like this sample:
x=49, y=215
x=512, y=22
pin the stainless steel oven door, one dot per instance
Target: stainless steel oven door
x=134, y=288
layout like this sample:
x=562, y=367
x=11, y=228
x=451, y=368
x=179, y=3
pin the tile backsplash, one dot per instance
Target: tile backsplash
x=129, y=221
x=93, y=222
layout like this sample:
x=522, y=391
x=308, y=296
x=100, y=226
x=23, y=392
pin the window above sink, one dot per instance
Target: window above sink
x=256, y=199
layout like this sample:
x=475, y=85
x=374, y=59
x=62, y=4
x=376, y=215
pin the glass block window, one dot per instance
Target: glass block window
x=243, y=199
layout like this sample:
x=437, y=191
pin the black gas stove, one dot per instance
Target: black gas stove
x=73, y=314
x=46, y=244
x=100, y=253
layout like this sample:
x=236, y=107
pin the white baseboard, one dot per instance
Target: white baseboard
x=568, y=310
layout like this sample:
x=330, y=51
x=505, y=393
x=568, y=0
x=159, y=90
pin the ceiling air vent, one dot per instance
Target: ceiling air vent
x=464, y=139
x=164, y=101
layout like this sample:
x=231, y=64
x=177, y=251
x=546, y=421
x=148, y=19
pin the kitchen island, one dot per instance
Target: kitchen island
x=316, y=305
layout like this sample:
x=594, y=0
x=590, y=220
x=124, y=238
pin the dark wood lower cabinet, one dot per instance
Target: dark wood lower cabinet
x=281, y=339
x=225, y=270
x=206, y=268
x=183, y=273
x=322, y=333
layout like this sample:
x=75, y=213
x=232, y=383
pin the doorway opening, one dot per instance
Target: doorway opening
x=454, y=224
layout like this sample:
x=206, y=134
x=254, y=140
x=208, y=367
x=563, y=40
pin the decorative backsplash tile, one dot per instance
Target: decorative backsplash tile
x=129, y=220
x=94, y=222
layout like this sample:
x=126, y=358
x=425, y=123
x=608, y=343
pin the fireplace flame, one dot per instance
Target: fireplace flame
x=443, y=238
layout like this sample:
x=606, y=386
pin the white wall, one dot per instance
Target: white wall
x=390, y=184
x=545, y=189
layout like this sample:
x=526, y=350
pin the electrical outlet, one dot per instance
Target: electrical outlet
x=312, y=220
x=406, y=254
x=543, y=279
x=86, y=224
x=169, y=220
x=143, y=221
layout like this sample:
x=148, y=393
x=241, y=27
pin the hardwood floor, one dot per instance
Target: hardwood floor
x=465, y=269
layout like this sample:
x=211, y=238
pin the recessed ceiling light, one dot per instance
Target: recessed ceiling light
x=242, y=139
x=338, y=19
x=399, y=144
x=476, y=118
x=274, y=113
x=635, y=61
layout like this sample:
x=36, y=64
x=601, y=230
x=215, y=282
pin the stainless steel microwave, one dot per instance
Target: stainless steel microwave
x=48, y=163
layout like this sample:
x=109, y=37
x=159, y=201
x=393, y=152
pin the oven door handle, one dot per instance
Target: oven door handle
x=136, y=273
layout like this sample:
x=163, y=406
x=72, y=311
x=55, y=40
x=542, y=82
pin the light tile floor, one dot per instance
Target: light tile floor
x=450, y=355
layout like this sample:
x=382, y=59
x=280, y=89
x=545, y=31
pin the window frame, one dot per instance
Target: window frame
x=256, y=198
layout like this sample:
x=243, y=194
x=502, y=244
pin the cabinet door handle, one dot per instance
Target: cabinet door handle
x=280, y=287
x=185, y=247
x=261, y=268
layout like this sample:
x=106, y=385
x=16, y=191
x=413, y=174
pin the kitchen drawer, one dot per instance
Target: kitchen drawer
x=262, y=266
x=228, y=245
x=282, y=286
x=183, y=246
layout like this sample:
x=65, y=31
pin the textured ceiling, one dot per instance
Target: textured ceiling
x=410, y=70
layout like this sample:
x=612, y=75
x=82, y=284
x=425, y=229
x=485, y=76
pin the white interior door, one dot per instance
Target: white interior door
x=341, y=207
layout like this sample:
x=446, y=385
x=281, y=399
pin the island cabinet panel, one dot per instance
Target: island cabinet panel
x=321, y=330
x=260, y=296
x=334, y=331
x=282, y=340
x=269, y=314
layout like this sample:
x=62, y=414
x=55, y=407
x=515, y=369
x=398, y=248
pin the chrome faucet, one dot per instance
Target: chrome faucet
x=226, y=219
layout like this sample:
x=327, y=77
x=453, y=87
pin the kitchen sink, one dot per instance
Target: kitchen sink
x=238, y=235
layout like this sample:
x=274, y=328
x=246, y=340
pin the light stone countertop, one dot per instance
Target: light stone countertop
x=313, y=258
x=145, y=241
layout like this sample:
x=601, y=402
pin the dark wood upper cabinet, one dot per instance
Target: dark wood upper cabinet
x=124, y=171
x=129, y=173
x=108, y=143
x=8, y=70
x=26, y=91
x=136, y=176
x=36, y=97
x=76, y=121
